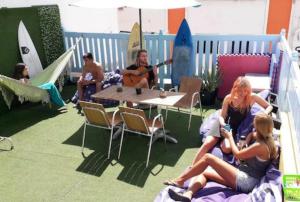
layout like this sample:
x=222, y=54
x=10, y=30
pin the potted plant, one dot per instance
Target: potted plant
x=210, y=83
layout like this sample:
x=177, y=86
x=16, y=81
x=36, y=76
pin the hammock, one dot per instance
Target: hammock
x=40, y=88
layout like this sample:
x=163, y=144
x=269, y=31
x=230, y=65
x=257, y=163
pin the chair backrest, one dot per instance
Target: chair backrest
x=133, y=111
x=190, y=85
x=95, y=114
x=134, y=119
x=91, y=105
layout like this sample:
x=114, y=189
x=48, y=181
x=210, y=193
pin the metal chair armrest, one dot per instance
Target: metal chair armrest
x=155, y=118
x=193, y=97
x=113, y=118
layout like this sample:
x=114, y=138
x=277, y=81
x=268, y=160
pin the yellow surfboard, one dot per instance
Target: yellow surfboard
x=134, y=44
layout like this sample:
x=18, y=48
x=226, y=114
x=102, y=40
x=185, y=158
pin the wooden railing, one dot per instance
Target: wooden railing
x=111, y=49
x=289, y=104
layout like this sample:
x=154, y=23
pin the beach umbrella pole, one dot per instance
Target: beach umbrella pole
x=140, y=19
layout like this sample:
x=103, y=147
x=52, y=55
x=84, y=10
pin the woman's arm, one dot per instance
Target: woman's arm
x=267, y=106
x=100, y=75
x=25, y=80
x=246, y=153
x=224, y=110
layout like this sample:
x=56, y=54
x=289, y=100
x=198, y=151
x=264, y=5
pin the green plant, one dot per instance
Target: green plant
x=211, y=80
x=51, y=32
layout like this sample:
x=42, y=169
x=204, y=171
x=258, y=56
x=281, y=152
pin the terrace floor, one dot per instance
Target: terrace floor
x=47, y=165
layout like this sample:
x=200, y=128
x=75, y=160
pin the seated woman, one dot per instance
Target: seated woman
x=254, y=161
x=234, y=110
x=21, y=73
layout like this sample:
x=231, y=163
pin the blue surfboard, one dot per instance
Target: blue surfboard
x=183, y=54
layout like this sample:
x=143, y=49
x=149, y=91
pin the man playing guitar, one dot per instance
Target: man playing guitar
x=141, y=62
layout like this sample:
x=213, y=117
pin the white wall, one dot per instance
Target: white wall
x=294, y=25
x=229, y=17
x=214, y=16
x=74, y=18
x=152, y=20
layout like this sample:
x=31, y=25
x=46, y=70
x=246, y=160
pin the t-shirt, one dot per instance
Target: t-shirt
x=151, y=73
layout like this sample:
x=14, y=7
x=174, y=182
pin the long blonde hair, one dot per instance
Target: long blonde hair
x=241, y=83
x=263, y=124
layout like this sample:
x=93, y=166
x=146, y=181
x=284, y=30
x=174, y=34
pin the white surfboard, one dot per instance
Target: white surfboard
x=28, y=52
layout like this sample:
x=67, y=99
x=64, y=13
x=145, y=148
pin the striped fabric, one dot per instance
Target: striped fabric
x=276, y=74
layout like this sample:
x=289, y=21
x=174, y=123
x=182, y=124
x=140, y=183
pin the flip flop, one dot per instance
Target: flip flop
x=172, y=183
x=178, y=196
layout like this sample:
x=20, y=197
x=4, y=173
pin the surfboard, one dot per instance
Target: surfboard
x=183, y=54
x=28, y=52
x=134, y=44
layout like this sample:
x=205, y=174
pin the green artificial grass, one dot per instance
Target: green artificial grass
x=47, y=165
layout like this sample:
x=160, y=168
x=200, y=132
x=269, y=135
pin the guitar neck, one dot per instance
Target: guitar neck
x=159, y=65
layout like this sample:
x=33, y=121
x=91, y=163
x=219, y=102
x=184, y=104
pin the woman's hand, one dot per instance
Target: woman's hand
x=226, y=133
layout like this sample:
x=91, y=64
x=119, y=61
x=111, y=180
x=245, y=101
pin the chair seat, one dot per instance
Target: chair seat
x=118, y=118
x=185, y=102
x=158, y=123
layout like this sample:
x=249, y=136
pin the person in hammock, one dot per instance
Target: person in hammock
x=21, y=73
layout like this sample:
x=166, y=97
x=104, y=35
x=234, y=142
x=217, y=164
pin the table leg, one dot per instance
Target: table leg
x=159, y=134
x=117, y=133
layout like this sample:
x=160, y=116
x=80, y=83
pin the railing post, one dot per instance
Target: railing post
x=161, y=58
x=294, y=58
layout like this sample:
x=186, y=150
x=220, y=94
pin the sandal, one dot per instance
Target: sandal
x=178, y=196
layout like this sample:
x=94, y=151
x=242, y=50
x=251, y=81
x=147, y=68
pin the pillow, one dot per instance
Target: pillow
x=233, y=66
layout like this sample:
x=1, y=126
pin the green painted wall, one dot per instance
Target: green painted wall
x=9, y=49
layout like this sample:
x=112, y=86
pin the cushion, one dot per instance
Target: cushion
x=233, y=66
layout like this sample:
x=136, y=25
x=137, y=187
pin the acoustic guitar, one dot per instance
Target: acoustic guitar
x=131, y=79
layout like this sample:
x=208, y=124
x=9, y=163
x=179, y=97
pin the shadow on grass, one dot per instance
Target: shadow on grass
x=25, y=116
x=22, y=116
x=135, y=149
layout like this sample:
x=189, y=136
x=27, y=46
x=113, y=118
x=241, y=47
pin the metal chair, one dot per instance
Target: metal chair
x=191, y=86
x=135, y=121
x=96, y=116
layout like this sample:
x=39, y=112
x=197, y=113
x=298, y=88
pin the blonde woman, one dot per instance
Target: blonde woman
x=255, y=160
x=235, y=108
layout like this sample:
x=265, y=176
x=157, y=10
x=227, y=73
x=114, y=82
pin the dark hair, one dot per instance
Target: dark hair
x=137, y=61
x=140, y=52
x=18, y=73
x=88, y=55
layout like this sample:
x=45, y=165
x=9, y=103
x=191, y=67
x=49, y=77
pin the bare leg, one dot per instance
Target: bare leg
x=210, y=174
x=208, y=144
x=143, y=83
x=225, y=146
x=227, y=171
x=80, y=89
x=98, y=86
